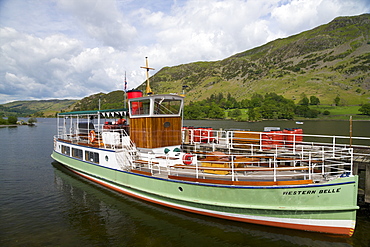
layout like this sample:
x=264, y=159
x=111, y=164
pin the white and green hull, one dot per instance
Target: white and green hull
x=326, y=207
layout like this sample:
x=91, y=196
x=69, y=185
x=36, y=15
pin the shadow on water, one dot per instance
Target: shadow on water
x=102, y=217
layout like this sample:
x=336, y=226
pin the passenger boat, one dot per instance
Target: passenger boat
x=271, y=178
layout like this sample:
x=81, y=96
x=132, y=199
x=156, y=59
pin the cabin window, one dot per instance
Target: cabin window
x=92, y=157
x=163, y=106
x=140, y=107
x=66, y=150
x=77, y=153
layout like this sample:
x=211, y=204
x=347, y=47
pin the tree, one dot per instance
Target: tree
x=305, y=111
x=32, y=120
x=216, y=112
x=313, y=113
x=365, y=109
x=256, y=100
x=12, y=120
x=245, y=103
x=194, y=111
x=3, y=121
x=304, y=101
x=277, y=107
x=254, y=114
x=337, y=100
x=235, y=113
x=314, y=100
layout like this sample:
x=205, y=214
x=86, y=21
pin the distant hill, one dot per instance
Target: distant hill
x=37, y=108
x=328, y=61
x=48, y=108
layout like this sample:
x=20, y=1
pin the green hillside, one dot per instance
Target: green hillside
x=328, y=61
x=112, y=100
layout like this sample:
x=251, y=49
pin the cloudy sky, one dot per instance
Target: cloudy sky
x=74, y=48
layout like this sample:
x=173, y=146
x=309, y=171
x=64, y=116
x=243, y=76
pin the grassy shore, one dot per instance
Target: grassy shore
x=340, y=112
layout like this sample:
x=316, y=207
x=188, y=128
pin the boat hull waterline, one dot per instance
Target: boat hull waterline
x=301, y=207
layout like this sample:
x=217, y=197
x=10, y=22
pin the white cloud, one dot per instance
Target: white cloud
x=71, y=49
x=206, y=30
x=33, y=66
x=102, y=21
x=299, y=15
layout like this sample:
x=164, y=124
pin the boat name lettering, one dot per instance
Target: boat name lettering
x=310, y=192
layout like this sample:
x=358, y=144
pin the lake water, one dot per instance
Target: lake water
x=43, y=204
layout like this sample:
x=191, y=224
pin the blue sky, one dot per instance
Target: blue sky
x=68, y=49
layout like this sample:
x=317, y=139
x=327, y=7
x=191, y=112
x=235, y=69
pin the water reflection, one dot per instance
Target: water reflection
x=102, y=217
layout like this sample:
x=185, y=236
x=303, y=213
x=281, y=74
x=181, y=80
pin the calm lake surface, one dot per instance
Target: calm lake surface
x=43, y=204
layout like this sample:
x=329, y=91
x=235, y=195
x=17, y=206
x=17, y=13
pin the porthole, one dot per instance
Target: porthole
x=106, y=158
x=180, y=189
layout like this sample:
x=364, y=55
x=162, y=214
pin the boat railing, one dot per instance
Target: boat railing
x=96, y=136
x=304, y=168
x=273, y=141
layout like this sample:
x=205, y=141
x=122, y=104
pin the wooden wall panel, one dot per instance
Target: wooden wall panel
x=155, y=132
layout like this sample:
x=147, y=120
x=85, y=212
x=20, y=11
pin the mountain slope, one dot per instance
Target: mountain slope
x=328, y=61
x=112, y=100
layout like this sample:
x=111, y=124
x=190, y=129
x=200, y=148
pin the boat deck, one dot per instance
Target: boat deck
x=227, y=158
x=245, y=169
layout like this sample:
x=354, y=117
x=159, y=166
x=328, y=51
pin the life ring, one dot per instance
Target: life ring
x=92, y=136
x=187, y=159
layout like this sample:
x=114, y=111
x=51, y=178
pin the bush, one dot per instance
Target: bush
x=12, y=120
x=365, y=109
x=337, y=100
x=326, y=112
x=3, y=121
x=32, y=120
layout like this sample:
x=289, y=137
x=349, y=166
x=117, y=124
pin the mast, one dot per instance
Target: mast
x=148, y=89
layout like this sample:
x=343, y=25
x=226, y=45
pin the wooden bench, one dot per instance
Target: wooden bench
x=246, y=137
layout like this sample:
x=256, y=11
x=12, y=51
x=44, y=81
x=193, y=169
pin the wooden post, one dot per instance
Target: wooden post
x=367, y=183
